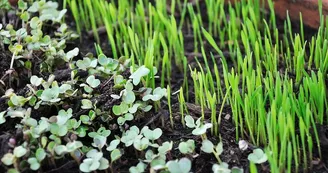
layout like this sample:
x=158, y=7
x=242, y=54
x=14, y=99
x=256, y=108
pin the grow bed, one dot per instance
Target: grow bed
x=160, y=86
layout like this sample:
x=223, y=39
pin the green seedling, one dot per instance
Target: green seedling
x=70, y=54
x=10, y=158
x=50, y=95
x=182, y=106
x=138, y=74
x=36, y=81
x=208, y=147
x=157, y=94
x=115, y=155
x=63, y=116
x=94, y=161
x=120, y=109
x=86, y=104
x=141, y=143
x=113, y=145
x=199, y=128
x=258, y=156
x=221, y=168
x=224, y=168
x=70, y=147
x=168, y=90
x=34, y=164
x=151, y=134
x=165, y=148
x=130, y=135
x=99, y=137
x=187, y=147
x=86, y=63
x=19, y=151
x=140, y=168
x=126, y=117
x=2, y=117
x=181, y=166
x=93, y=82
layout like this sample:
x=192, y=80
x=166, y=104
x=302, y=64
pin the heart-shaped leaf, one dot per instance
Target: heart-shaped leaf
x=36, y=81
x=113, y=145
x=138, y=74
x=258, y=156
x=93, y=82
x=152, y=134
x=182, y=166
x=190, y=122
x=64, y=116
x=72, y=53
x=202, y=129
x=207, y=146
x=221, y=168
x=34, y=164
x=187, y=147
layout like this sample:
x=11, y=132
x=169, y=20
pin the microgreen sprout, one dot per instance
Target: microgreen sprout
x=181, y=166
x=258, y=156
x=94, y=161
x=187, y=147
x=199, y=128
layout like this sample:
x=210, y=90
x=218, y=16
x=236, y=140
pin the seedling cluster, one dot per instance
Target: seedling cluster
x=91, y=108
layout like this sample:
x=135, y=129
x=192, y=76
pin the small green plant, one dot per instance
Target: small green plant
x=221, y=168
x=187, y=147
x=94, y=161
x=99, y=137
x=70, y=147
x=140, y=168
x=199, y=128
x=258, y=156
x=181, y=166
x=35, y=162
x=224, y=168
x=208, y=147
x=151, y=134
